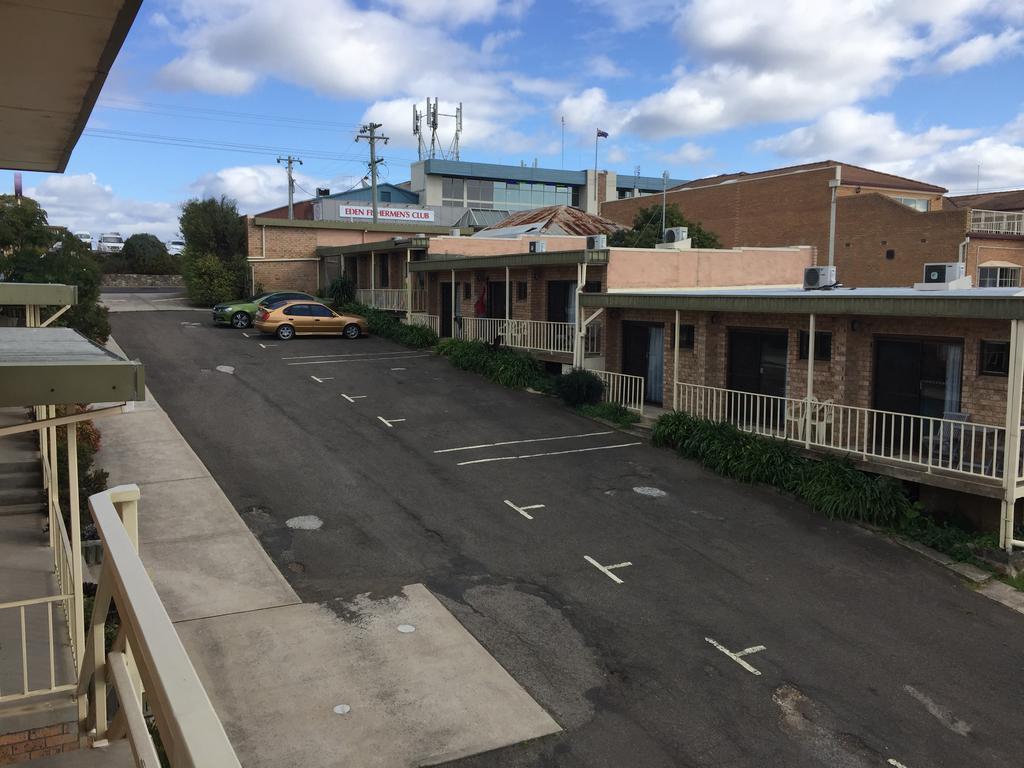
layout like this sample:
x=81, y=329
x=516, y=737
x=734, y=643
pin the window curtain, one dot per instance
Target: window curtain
x=954, y=373
x=655, y=364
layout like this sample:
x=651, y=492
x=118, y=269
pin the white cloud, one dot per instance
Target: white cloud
x=689, y=153
x=81, y=203
x=255, y=188
x=852, y=135
x=497, y=40
x=458, y=12
x=604, y=67
x=779, y=61
x=635, y=13
x=981, y=49
x=957, y=168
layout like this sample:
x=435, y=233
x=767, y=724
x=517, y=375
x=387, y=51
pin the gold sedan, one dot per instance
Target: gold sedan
x=302, y=318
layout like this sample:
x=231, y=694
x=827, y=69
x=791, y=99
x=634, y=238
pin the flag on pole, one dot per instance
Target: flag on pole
x=602, y=134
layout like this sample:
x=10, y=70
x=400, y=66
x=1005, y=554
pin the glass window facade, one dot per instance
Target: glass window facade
x=506, y=195
x=999, y=277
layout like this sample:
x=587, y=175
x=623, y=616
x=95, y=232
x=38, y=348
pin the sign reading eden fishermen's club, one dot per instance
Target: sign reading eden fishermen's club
x=393, y=214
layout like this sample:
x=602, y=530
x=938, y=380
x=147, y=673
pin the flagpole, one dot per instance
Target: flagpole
x=597, y=205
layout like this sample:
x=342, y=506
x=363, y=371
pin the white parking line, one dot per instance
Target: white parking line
x=245, y=334
x=175, y=298
x=550, y=453
x=737, y=656
x=398, y=369
x=607, y=569
x=318, y=380
x=895, y=763
x=266, y=346
x=522, y=510
x=390, y=422
x=349, y=354
x=352, y=398
x=360, y=360
x=515, y=442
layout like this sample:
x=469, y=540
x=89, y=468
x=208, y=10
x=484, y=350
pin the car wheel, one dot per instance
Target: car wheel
x=352, y=331
x=241, y=320
x=285, y=332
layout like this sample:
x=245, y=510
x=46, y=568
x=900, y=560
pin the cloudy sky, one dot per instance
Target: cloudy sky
x=206, y=93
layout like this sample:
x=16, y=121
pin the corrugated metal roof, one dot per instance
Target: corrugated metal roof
x=851, y=175
x=553, y=220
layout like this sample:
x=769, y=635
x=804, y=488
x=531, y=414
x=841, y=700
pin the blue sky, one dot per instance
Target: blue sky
x=924, y=88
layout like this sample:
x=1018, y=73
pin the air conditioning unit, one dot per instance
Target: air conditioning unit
x=454, y=232
x=538, y=246
x=943, y=273
x=819, y=277
x=675, y=234
x=597, y=242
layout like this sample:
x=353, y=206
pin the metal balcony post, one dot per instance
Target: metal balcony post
x=810, y=383
x=1011, y=460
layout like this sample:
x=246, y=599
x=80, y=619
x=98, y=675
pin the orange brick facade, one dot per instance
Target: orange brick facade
x=23, y=746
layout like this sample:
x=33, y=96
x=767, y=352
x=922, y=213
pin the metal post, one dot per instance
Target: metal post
x=455, y=298
x=373, y=273
x=78, y=626
x=664, y=201
x=1011, y=453
x=408, y=287
x=675, y=366
x=810, y=383
x=834, y=184
x=508, y=296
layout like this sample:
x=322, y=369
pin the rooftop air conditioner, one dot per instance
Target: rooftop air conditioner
x=538, y=246
x=816, y=278
x=943, y=273
x=454, y=232
x=597, y=242
x=675, y=235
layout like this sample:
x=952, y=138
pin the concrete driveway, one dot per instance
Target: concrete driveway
x=662, y=615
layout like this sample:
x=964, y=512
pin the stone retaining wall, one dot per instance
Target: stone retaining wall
x=143, y=281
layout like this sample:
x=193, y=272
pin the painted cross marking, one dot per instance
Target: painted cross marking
x=389, y=422
x=352, y=398
x=522, y=510
x=737, y=657
x=607, y=569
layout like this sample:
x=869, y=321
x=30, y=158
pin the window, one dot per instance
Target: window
x=686, y=336
x=299, y=310
x=453, y=191
x=912, y=202
x=822, y=345
x=385, y=272
x=385, y=197
x=592, y=286
x=994, y=358
x=467, y=290
x=318, y=310
x=521, y=290
x=890, y=254
x=999, y=277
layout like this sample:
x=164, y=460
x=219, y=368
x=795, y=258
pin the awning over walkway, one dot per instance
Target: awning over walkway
x=381, y=246
x=55, y=366
x=448, y=262
x=38, y=294
x=55, y=58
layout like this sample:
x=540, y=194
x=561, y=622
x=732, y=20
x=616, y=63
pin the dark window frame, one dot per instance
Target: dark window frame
x=983, y=355
x=822, y=346
x=687, y=336
x=467, y=290
x=521, y=290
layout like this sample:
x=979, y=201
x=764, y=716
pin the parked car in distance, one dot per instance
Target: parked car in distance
x=241, y=312
x=110, y=242
x=85, y=237
x=175, y=247
x=301, y=318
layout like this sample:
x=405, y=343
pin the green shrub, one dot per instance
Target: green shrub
x=669, y=429
x=504, y=366
x=388, y=326
x=208, y=280
x=342, y=291
x=144, y=254
x=578, y=388
x=613, y=412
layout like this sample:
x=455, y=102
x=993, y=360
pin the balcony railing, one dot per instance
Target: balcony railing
x=532, y=335
x=146, y=664
x=433, y=322
x=392, y=299
x=623, y=388
x=923, y=442
x=997, y=222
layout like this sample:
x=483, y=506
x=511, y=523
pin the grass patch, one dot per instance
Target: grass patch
x=613, y=412
x=1016, y=582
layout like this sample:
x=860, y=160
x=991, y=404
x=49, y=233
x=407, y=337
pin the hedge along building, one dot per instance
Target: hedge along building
x=922, y=386
x=887, y=227
x=282, y=254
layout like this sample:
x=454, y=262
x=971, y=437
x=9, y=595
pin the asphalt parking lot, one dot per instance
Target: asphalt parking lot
x=663, y=616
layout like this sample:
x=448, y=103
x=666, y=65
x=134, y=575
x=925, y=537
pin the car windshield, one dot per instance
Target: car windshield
x=111, y=239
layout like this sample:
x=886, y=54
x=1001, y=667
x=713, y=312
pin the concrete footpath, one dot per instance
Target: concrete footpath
x=393, y=682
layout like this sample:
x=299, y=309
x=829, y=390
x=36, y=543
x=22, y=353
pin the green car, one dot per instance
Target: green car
x=240, y=313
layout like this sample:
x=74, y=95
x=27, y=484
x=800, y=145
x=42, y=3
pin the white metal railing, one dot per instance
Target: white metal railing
x=533, y=335
x=433, y=322
x=29, y=624
x=391, y=299
x=997, y=222
x=923, y=441
x=623, y=388
x=146, y=663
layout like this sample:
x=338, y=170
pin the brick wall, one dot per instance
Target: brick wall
x=22, y=746
x=282, y=275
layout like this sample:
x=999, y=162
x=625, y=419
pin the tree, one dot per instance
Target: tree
x=144, y=254
x=26, y=256
x=214, y=258
x=646, y=231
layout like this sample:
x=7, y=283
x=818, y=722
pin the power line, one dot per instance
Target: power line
x=129, y=105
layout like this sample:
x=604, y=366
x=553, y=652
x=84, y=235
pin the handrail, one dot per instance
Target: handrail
x=189, y=728
x=51, y=646
x=532, y=335
x=625, y=389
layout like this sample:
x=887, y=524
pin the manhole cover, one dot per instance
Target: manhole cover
x=304, y=522
x=646, y=490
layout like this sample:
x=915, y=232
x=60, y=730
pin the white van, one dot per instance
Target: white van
x=85, y=237
x=110, y=242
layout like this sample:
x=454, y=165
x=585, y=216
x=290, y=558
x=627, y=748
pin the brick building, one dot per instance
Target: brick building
x=887, y=227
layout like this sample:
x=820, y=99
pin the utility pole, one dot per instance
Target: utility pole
x=369, y=132
x=290, y=161
x=664, y=199
x=563, y=141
